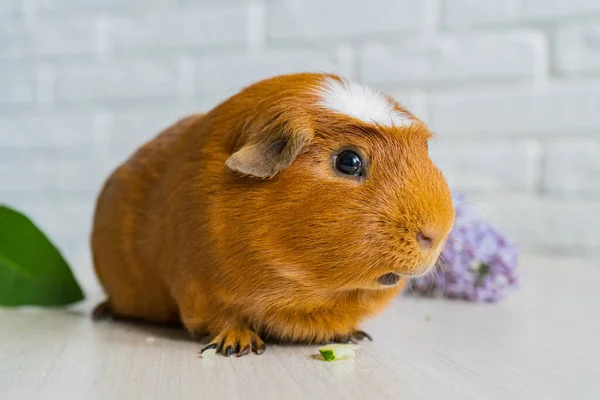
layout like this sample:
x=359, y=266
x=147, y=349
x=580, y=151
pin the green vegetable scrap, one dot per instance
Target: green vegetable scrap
x=32, y=270
x=334, y=352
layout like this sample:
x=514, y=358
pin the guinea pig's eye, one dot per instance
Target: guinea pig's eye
x=349, y=163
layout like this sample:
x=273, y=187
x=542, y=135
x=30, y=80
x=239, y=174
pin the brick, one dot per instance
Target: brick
x=22, y=171
x=130, y=129
x=201, y=2
x=478, y=167
x=133, y=79
x=459, y=13
x=17, y=84
x=463, y=13
x=50, y=170
x=540, y=224
x=572, y=168
x=102, y=6
x=578, y=48
x=225, y=75
x=79, y=174
x=11, y=8
x=13, y=35
x=328, y=19
x=49, y=37
x=179, y=29
x=46, y=130
x=64, y=36
x=451, y=59
x=558, y=108
x=10, y=26
x=257, y=30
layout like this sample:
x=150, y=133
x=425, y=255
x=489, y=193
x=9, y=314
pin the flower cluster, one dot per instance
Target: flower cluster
x=477, y=263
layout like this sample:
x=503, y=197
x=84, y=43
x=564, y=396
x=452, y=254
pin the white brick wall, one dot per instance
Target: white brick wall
x=127, y=79
x=511, y=89
x=52, y=36
x=485, y=13
x=186, y=29
x=572, y=169
x=18, y=84
x=451, y=59
x=578, y=48
x=317, y=20
x=546, y=224
x=224, y=75
x=561, y=108
x=492, y=166
x=10, y=8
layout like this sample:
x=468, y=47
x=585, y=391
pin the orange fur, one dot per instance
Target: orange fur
x=292, y=252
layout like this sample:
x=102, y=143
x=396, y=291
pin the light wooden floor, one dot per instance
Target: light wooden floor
x=542, y=343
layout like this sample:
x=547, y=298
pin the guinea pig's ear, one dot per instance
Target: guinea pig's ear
x=269, y=154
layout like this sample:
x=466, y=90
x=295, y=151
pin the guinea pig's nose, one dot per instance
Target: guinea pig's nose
x=424, y=240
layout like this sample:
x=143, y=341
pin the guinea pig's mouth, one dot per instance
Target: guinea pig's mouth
x=389, y=279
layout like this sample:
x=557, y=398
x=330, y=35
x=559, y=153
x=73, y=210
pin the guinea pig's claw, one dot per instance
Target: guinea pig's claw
x=210, y=346
x=244, y=351
x=361, y=335
x=354, y=337
x=260, y=349
x=258, y=346
x=236, y=341
x=342, y=339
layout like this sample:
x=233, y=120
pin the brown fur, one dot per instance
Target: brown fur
x=236, y=223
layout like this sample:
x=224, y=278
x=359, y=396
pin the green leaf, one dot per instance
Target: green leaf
x=328, y=355
x=334, y=352
x=32, y=270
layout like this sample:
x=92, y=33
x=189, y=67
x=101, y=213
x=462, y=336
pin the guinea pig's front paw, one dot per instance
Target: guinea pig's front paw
x=236, y=341
x=354, y=336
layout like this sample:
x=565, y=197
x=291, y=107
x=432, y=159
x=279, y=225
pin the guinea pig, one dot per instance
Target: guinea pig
x=290, y=212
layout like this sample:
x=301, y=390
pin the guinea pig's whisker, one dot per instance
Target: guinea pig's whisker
x=412, y=290
x=441, y=265
x=470, y=203
x=465, y=225
x=441, y=262
x=435, y=279
x=464, y=247
x=450, y=245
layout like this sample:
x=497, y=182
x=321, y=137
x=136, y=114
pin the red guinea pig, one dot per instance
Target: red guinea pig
x=291, y=211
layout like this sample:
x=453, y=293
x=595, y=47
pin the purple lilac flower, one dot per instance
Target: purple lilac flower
x=478, y=263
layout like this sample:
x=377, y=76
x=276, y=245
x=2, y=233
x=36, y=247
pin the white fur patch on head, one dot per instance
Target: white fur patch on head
x=361, y=102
